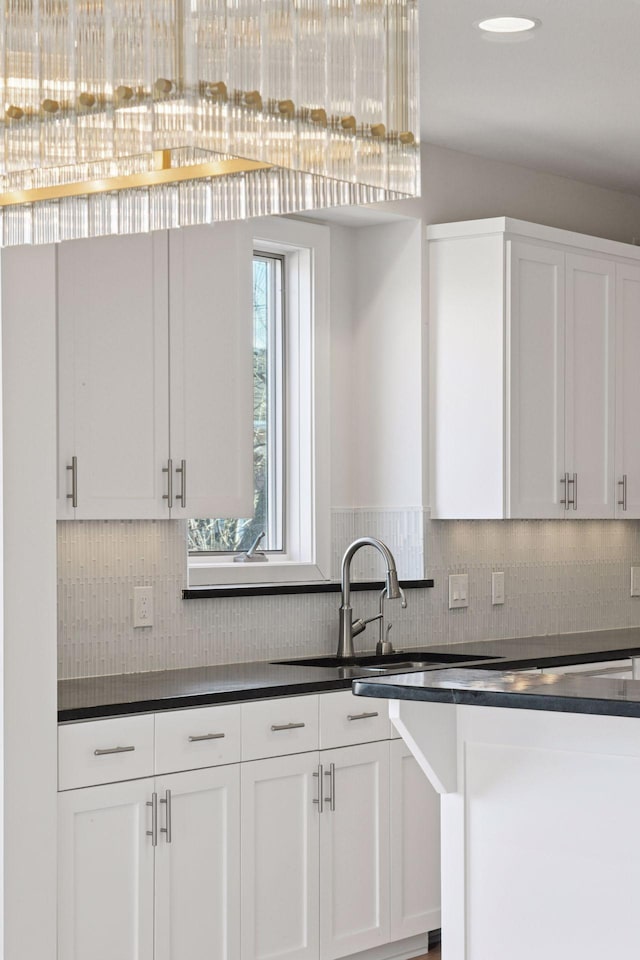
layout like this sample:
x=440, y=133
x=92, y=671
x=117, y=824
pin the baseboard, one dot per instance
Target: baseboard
x=400, y=950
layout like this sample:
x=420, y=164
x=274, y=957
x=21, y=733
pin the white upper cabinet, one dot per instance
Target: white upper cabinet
x=535, y=384
x=155, y=399
x=628, y=392
x=113, y=385
x=532, y=410
x=589, y=385
x=211, y=330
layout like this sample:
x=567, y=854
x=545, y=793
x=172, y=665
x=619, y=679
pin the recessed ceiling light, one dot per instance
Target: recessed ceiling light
x=508, y=25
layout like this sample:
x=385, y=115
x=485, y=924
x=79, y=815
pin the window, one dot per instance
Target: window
x=291, y=449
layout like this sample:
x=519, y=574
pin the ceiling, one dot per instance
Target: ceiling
x=566, y=99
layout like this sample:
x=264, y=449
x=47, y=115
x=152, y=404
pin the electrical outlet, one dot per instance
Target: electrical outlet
x=635, y=581
x=497, y=588
x=458, y=590
x=143, y=607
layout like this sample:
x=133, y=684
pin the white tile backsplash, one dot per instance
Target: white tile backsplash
x=559, y=577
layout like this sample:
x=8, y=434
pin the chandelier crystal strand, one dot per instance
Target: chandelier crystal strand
x=122, y=116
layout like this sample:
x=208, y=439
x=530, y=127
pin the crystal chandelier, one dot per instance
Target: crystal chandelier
x=122, y=116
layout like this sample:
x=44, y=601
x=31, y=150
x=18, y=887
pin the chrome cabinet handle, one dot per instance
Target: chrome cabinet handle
x=153, y=833
x=206, y=736
x=362, y=716
x=168, y=496
x=570, y=481
x=73, y=496
x=565, y=500
x=623, y=483
x=182, y=470
x=167, y=802
x=105, y=753
x=320, y=797
x=286, y=726
x=331, y=799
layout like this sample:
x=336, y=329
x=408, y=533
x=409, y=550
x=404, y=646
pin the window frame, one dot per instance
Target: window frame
x=306, y=250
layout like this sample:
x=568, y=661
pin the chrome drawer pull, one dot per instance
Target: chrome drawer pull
x=206, y=736
x=104, y=753
x=362, y=716
x=286, y=726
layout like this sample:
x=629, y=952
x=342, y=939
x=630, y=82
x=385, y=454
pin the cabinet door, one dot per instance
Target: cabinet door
x=535, y=381
x=280, y=858
x=211, y=271
x=198, y=866
x=354, y=850
x=105, y=873
x=415, y=847
x=627, y=391
x=590, y=397
x=113, y=376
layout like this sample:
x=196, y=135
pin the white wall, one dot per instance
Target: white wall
x=29, y=558
x=459, y=186
x=376, y=370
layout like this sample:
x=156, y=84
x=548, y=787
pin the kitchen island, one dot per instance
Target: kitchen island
x=539, y=777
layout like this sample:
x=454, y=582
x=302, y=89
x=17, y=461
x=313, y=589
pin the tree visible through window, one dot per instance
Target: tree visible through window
x=233, y=534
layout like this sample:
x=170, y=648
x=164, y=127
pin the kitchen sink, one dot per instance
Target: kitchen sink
x=407, y=660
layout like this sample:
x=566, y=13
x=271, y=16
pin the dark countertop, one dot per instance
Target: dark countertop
x=94, y=697
x=483, y=688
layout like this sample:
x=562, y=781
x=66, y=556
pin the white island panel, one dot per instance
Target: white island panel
x=539, y=847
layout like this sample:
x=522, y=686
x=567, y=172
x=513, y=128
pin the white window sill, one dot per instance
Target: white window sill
x=205, y=573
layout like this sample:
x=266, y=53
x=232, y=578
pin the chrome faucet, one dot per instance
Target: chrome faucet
x=350, y=628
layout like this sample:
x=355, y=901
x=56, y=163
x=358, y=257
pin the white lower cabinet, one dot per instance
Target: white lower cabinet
x=354, y=850
x=280, y=857
x=197, y=883
x=112, y=879
x=356, y=871
x=312, y=855
x=105, y=873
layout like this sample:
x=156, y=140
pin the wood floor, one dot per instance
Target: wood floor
x=434, y=954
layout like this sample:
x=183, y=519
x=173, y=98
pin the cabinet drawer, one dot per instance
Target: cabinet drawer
x=346, y=720
x=105, y=751
x=273, y=728
x=204, y=737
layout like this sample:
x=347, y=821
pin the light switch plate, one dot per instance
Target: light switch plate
x=497, y=588
x=458, y=590
x=635, y=581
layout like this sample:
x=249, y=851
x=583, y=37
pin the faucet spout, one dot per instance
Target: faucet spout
x=347, y=628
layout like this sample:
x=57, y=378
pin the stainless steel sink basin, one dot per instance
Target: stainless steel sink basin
x=404, y=660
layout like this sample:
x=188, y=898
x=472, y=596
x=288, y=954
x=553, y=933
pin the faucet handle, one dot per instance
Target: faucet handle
x=359, y=625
